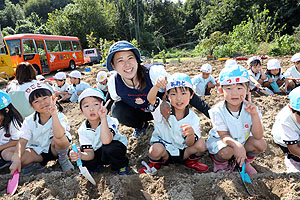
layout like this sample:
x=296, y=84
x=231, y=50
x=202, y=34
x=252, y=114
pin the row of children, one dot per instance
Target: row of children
x=237, y=129
x=273, y=78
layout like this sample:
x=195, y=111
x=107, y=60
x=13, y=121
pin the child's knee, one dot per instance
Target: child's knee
x=226, y=153
x=200, y=146
x=157, y=149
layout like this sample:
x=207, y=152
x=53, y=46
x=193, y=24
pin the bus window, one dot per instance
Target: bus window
x=76, y=46
x=14, y=46
x=52, y=46
x=28, y=47
x=66, y=45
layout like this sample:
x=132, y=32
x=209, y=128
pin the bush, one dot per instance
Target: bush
x=284, y=45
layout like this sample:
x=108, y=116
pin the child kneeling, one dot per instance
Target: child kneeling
x=176, y=137
x=44, y=134
x=237, y=129
x=100, y=141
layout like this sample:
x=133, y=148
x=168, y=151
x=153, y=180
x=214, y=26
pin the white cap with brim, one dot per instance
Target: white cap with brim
x=230, y=62
x=91, y=92
x=296, y=57
x=253, y=58
x=294, y=97
x=207, y=68
x=40, y=77
x=233, y=74
x=34, y=86
x=179, y=80
x=273, y=64
x=60, y=76
x=101, y=76
x=75, y=74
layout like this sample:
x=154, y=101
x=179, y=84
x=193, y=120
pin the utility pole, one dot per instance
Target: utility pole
x=137, y=26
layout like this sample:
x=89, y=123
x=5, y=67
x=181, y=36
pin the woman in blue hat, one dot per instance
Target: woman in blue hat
x=129, y=87
x=10, y=124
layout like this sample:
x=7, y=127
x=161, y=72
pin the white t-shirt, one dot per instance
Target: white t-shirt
x=286, y=130
x=90, y=138
x=64, y=88
x=255, y=76
x=155, y=72
x=200, y=84
x=275, y=78
x=14, y=129
x=292, y=72
x=40, y=136
x=172, y=138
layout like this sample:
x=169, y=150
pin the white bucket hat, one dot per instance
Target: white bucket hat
x=60, y=76
x=273, y=64
x=296, y=57
x=75, y=74
x=101, y=76
x=251, y=59
x=207, y=68
x=34, y=86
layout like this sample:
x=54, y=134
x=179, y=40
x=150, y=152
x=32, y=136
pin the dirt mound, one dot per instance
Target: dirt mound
x=173, y=181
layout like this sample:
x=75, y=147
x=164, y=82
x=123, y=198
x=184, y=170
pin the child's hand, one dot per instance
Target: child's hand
x=53, y=108
x=102, y=112
x=270, y=80
x=187, y=130
x=161, y=82
x=15, y=165
x=250, y=107
x=74, y=156
x=239, y=154
x=258, y=85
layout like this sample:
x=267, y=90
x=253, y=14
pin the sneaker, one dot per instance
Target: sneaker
x=32, y=167
x=123, y=171
x=291, y=165
x=66, y=165
x=138, y=131
x=4, y=163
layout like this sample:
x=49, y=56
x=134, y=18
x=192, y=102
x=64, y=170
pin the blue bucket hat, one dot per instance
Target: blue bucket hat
x=4, y=99
x=179, y=80
x=233, y=74
x=294, y=97
x=121, y=46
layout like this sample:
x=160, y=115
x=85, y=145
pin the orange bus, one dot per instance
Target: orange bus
x=45, y=52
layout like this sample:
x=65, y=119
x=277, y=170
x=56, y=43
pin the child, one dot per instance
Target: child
x=61, y=88
x=275, y=78
x=44, y=134
x=100, y=141
x=293, y=73
x=204, y=82
x=10, y=123
x=77, y=85
x=237, y=129
x=286, y=131
x=102, y=82
x=175, y=138
x=256, y=74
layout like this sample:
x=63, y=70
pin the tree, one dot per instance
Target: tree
x=11, y=14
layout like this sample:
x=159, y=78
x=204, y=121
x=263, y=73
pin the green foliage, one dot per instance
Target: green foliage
x=11, y=14
x=284, y=45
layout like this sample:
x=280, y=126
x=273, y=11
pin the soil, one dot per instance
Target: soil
x=173, y=181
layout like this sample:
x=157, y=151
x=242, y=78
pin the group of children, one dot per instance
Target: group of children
x=237, y=132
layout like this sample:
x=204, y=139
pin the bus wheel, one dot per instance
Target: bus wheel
x=72, y=65
x=37, y=69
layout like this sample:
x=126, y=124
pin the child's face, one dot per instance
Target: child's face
x=297, y=64
x=103, y=82
x=256, y=68
x=179, y=97
x=42, y=104
x=59, y=82
x=74, y=80
x=233, y=94
x=90, y=107
x=274, y=71
x=205, y=75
